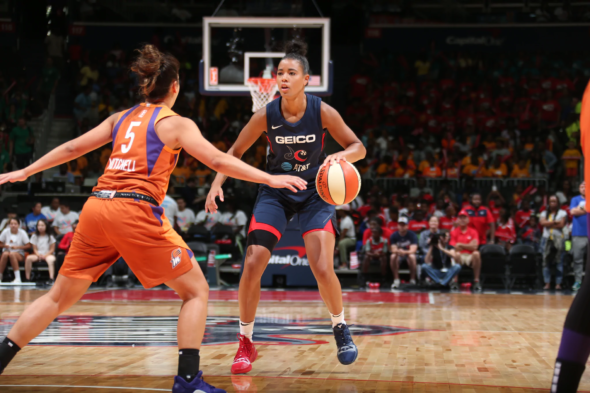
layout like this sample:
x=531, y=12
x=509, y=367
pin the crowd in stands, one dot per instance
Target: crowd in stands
x=45, y=234
x=438, y=235
x=459, y=115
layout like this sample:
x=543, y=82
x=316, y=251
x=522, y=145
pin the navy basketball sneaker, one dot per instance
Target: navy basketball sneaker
x=196, y=386
x=347, y=351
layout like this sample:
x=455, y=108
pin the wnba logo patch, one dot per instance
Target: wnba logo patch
x=175, y=257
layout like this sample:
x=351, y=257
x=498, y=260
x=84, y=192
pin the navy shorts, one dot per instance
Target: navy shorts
x=273, y=211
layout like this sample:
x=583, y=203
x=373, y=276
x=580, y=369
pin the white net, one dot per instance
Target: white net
x=262, y=91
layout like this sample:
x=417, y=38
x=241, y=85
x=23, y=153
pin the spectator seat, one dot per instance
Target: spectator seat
x=522, y=263
x=494, y=263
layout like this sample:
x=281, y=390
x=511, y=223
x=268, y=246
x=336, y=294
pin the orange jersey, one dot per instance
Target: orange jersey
x=140, y=161
x=585, y=137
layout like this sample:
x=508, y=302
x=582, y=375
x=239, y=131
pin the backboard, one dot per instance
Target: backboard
x=238, y=48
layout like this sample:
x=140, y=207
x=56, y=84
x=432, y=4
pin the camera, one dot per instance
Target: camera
x=434, y=239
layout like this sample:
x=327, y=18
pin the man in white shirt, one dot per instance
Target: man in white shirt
x=170, y=207
x=207, y=219
x=234, y=218
x=14, y=241
x=64, y=220
x=347, y=234
x=185, y=216
x=51, y=211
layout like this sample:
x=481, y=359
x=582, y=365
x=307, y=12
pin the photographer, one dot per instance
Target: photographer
x=425, y=236
x=436, y=262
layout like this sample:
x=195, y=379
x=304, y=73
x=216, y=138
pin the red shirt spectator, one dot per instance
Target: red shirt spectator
x=392, y=226
x=66, y=241
x=364, y=210
x=550, y=110
x=522, y=217
x=446, y=84
x=506, y=232
x=417, y=226
x=367, y=234
x=480, y=218
x=548, y=83
x=495, y=210
x=447, y=222
x=458, y=236
x=359, y=83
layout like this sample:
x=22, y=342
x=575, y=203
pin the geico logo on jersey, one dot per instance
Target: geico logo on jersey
x=301, y=168
x=290, y=140
x=293, y=260
x=121, y=165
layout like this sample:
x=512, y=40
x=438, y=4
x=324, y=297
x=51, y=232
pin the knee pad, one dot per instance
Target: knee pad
x=260, y=237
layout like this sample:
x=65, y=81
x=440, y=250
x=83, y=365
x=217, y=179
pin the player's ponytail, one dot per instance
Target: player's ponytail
x=156, y=72
x=296, y=50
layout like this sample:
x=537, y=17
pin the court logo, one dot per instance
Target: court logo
x=175, y=261
x=286, y=166
x=155, y=331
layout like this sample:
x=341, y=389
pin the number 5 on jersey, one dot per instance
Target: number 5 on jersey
x=129, y=134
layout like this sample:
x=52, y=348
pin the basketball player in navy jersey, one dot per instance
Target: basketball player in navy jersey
x=295, y=125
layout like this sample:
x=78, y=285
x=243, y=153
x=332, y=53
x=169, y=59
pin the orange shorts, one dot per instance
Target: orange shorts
x=133, y=229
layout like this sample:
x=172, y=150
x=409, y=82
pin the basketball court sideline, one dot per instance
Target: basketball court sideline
x=124, y=341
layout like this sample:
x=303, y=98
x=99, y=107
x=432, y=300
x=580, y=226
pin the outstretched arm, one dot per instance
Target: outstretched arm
x=66, y=152
x=186, y=132
x=353, y=147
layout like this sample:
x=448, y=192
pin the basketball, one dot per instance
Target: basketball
x=338, y=184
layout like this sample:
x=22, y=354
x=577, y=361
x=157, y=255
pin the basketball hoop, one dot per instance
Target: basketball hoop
x=262, y=90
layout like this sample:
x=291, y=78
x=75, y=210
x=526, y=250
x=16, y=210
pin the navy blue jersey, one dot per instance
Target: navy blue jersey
x=296, y=148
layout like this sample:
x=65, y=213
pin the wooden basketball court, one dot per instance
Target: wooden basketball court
x=124, y=341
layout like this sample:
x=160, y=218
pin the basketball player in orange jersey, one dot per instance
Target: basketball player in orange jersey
x=124, y=218
x=295, y=125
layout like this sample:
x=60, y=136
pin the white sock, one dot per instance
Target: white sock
x=336, y=319
x=247, y=329
x=17, y=275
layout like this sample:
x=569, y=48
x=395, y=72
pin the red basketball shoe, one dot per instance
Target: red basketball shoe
x=245, y=357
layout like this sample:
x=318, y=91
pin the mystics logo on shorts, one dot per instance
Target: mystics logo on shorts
x=154, y=331
x=175, y=261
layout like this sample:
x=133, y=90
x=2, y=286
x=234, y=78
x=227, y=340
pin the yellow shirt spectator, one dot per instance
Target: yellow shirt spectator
x=470, y=170
x=517, y=171
x=401, y=172
x=383, y=169
x=221, y=108
x=88, y=73
x=432, y=171
x=500, y=171
x=201, y=173
x=182, y=173
x=82, y=163
x=571, y=157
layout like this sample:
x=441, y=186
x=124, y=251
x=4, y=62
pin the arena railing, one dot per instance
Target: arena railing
x=391, y=184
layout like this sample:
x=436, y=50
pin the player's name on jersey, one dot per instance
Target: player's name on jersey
x=293, y=260
x=121, y=165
